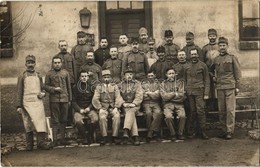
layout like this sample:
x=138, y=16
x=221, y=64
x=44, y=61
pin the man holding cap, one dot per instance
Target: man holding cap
x=143, y=37
x=30, y=105
x=228, y=73
x=190, y=45
x=171, y=49
x=107, y=100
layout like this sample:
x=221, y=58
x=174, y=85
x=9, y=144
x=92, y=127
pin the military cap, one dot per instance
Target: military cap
x=142, y=30
x=134, y=40
x=129, y=70
x=223, y=40
x=106, y=72
x=81, y=34
x=30, y=58
x=212, y=31
x=151, y=40
x=189, y=35
x=168, y=33
x=160, y=49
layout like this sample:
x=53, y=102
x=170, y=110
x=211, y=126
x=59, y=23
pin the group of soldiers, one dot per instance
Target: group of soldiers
x=87, y=87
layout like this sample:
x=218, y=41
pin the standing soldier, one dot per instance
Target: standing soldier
x=143, y=37
x=151, y=54
x=190, y=45
x=30, y=105
x=57, y=83
x=151, y=105
x=197, y=87
x=124, y=49
x=136, y=61
x=83, y=93
x=107, y=100
x=173, y=95
x=67, y=64
x=171, y=49
x=102, y=53
x=114, y=65
x=161, y=65
x=132, y=94
x=80, y=50
x=227, y=79
x=210, y=52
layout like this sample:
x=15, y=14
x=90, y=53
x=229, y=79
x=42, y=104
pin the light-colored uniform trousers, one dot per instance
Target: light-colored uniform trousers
x=226, y=107
x=115, y=121
x=153, y=115
x=130, y=120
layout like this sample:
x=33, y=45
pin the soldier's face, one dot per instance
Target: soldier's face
x=113, y=53
x=30, y=65
x=161, y=55
x=181, y=56
x=128, y=76
x=222, y=48
x=57, y=64
x=189, y=41
x=150, y=76
x=103, y=43
x=90, y=56
x=212, y=38
x=82, y=40
x=170, y=74
x=143, y=37
x=151, y=46
x=135, y=46
x=84, y=77
x=194, y=55
x=169, y=39
x=63, y=46
x=107, y=78
x=123, y=39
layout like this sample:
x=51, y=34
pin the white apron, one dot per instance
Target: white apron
x=32, y=104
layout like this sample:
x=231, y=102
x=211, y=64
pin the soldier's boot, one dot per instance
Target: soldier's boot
x=181, y=127
x=55, y=132
x=82, y=132
x=125, y=136
x=149, y=136
x=103, y=140
x=29, y=141
x=91, y=130
x=63, y=141
x=204, y=135
x=136, y=141
x=42, y=143
x=202, y=125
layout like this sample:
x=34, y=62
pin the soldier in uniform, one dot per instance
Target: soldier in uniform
x=82, y=96
x=124, y=49
x=173, y=95
x=228, y=74
x=94, y=70
x=30, y=105
x=161, y=65
x=107, y=100
x=171, y=49
x=132, y=94
x=79, y=51
x=151, y=54
x=102, y=53
x=190, y=45
x=151, y=105
x=114, y=65
x=136, y=61
x=209, y=53
x=57, y=83
x=197, y=87
x=143, y=38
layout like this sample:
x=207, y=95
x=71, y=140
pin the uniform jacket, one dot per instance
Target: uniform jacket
x=68, y=64
x=171, y=51
x=115, y=67
x=159, y=69
x=197, y=78
x=228, y=72
x=101, y=55
x=124, y=51
x=179, y=69
x=168, y=91
x=154, y=89
x=20, y=86
x=209, y=53
x=60, y=79
x=82, y=95
x=187, y=50
x=131, y=92
x=106, y=96
x=94, y=68
x=138, y=62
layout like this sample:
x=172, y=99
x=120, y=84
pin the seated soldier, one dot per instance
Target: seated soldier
x=172, y=93
x=81, y=103
x=107, y=100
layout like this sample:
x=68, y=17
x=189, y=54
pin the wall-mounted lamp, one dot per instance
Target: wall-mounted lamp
x=85, y=17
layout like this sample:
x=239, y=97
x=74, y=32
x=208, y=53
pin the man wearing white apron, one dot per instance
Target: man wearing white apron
x=30, y=105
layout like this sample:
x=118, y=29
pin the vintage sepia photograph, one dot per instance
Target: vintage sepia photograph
x=130, y=83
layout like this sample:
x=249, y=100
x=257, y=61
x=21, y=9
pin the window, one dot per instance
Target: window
x=110, y=5
x=6, y=41
x=249, y=20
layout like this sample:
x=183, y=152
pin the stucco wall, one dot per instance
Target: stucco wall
x=198, y=16
x=60, y=20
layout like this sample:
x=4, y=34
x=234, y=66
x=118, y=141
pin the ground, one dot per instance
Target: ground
x=242, y=150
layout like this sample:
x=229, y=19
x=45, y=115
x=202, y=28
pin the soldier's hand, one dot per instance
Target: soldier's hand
x=102, y=110
x=87, y=110
x=236, y=91
x=131, y=105
x=41, y=95
x=57, y=89
x=126, y=104
x=82, y=111
x=214, y=79
x=19, y=110
x=206, y=97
